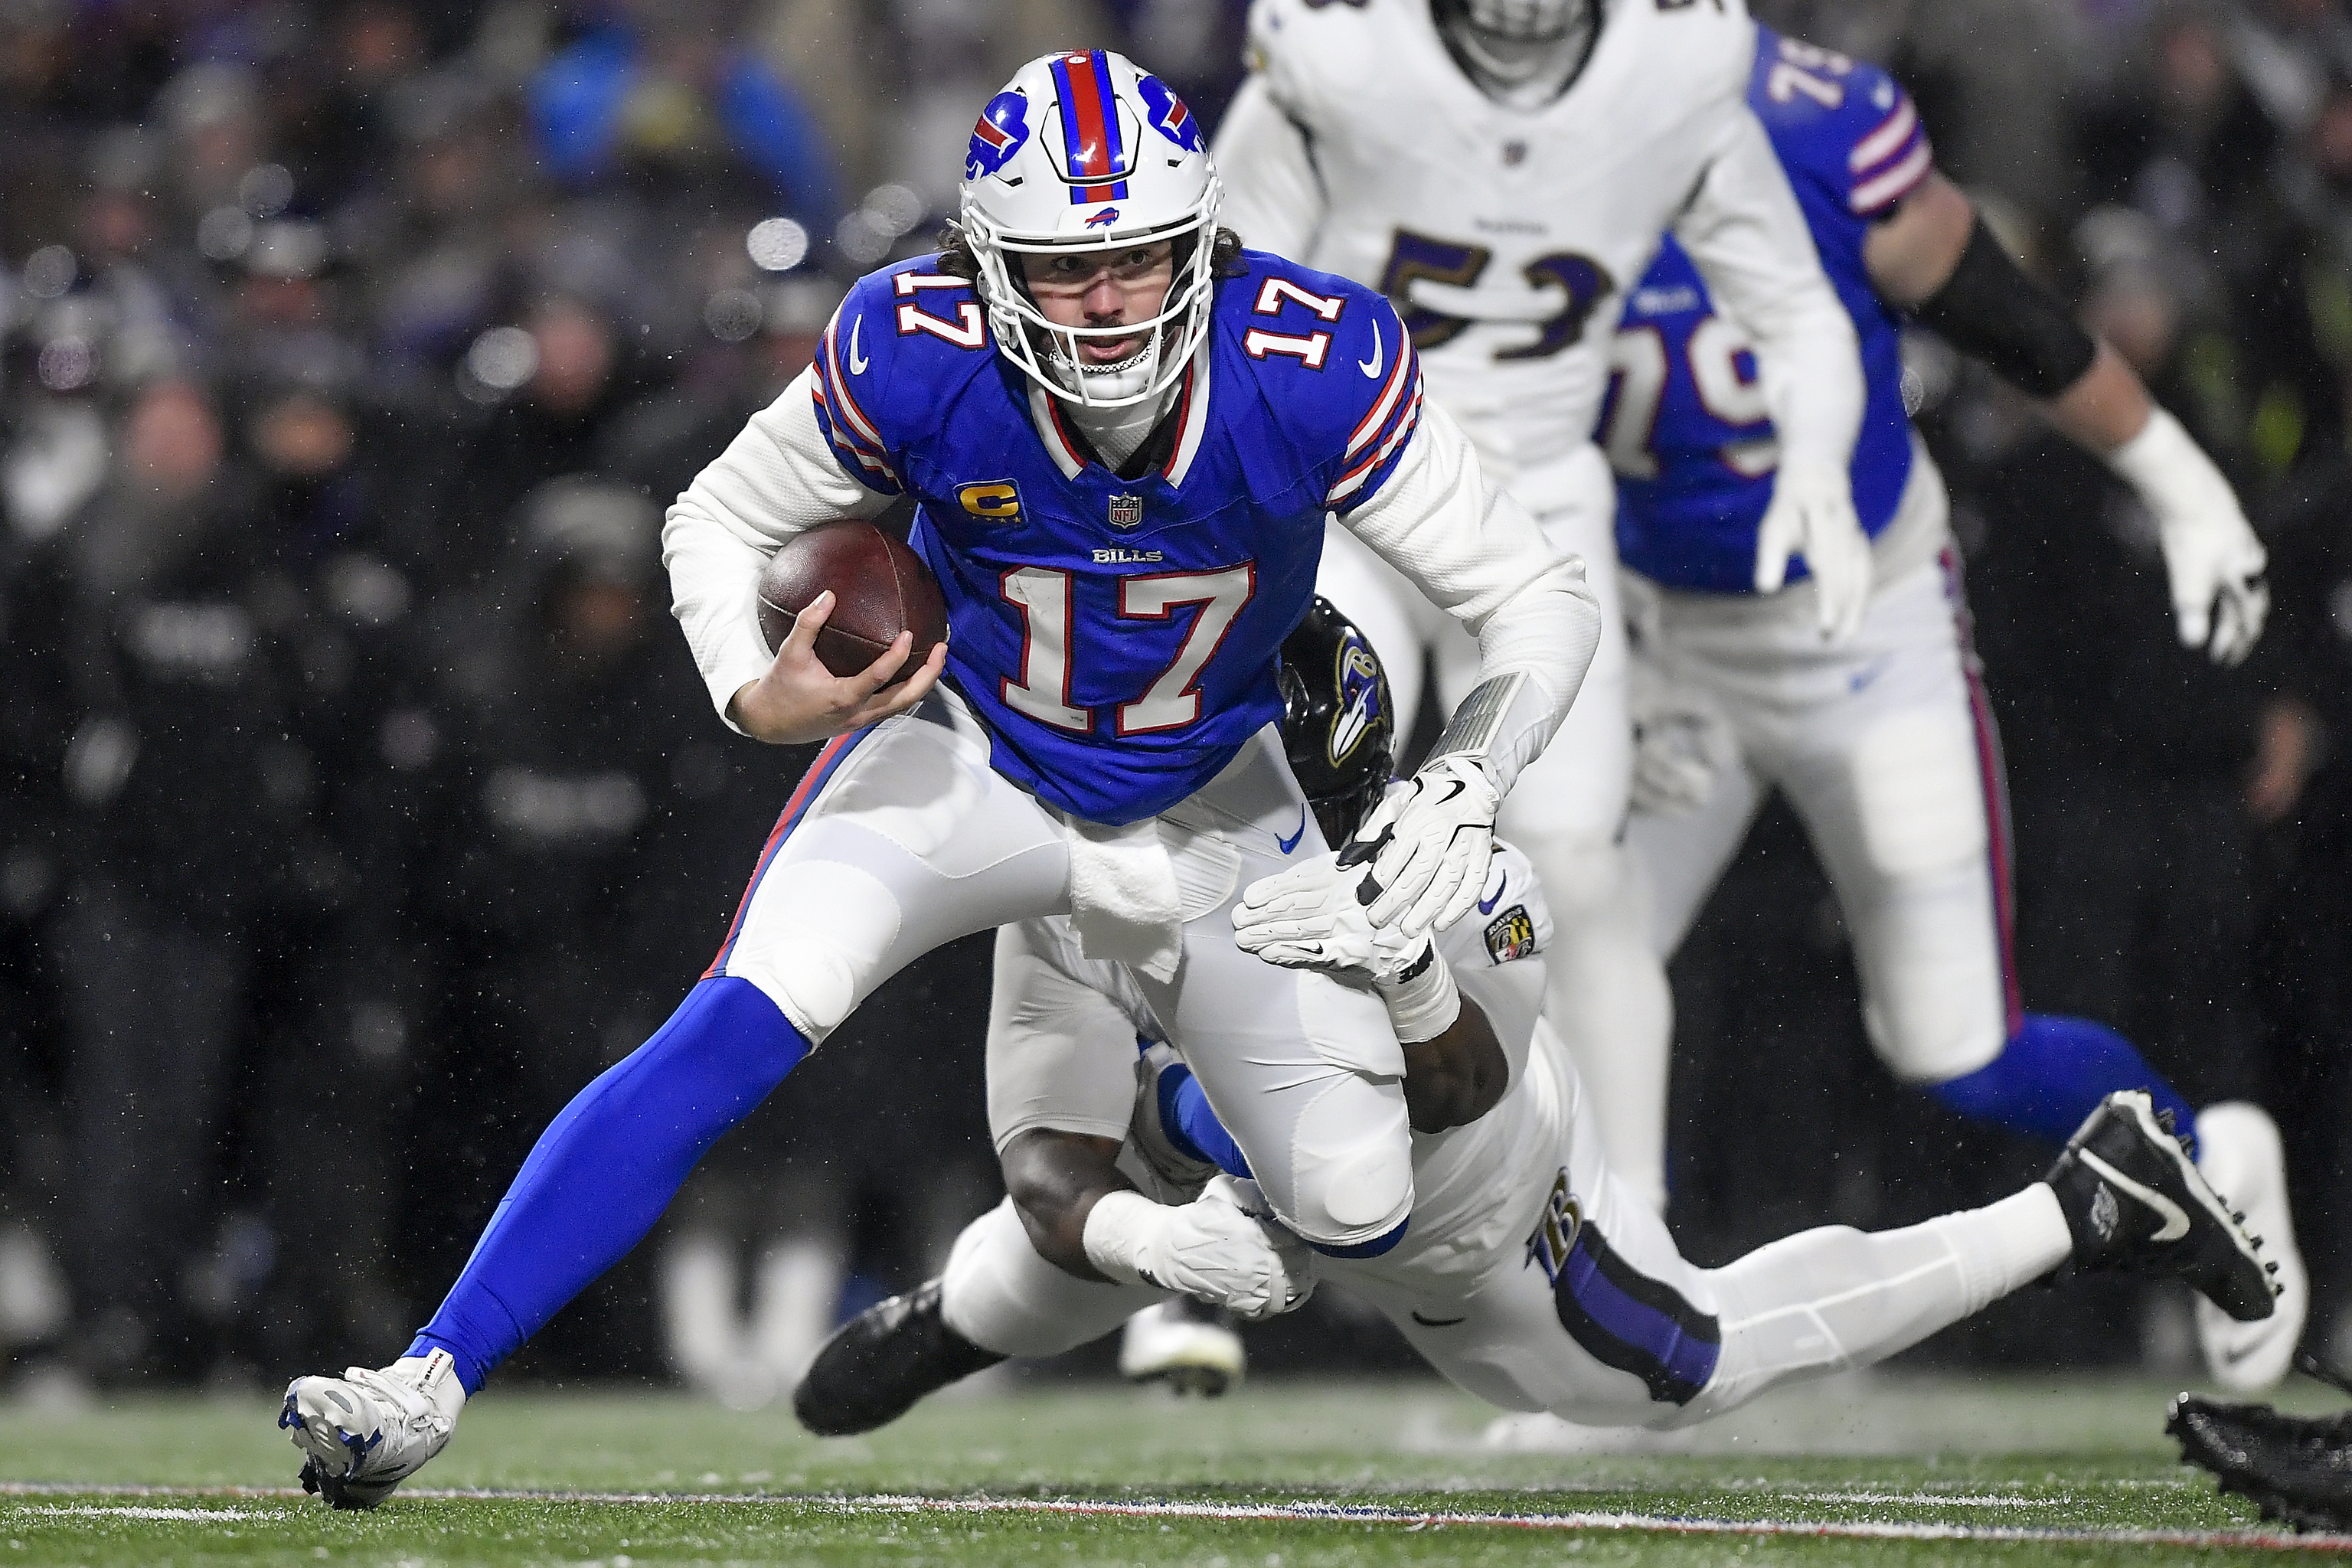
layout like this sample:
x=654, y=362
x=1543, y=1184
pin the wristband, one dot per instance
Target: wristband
x=1118, y=1231
x=2169, y=471
x=1423, y=1000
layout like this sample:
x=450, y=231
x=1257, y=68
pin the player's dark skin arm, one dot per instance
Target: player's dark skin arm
x=1458, y=1078
x=1913, y=255
x=1055, y=1177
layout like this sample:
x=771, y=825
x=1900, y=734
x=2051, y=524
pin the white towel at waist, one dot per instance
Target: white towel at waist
x=1124, y=902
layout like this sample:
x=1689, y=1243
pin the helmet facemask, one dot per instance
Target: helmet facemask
x=1521, y=51
x=1049, y=353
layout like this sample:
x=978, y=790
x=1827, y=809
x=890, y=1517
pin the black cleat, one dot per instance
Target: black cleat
x=2134, y=1203
x=877, y=1364
x=2297, y=1468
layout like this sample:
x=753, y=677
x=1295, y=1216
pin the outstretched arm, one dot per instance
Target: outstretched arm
x=1936, y=258
x=1474, y=552
x=1745, y=234
x=1054, y=1178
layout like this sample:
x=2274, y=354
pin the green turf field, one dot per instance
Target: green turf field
x=1881, y=1469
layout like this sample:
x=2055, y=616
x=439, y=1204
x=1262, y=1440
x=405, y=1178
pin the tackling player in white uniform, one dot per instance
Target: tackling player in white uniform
x=1527, y=1275
x=1501, y=169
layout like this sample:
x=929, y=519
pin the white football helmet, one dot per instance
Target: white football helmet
x=1084, y=151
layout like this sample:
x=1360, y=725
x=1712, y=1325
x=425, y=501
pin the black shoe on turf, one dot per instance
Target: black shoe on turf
x=2135, y=1203
x=880, y=1363
x=2297, y=1468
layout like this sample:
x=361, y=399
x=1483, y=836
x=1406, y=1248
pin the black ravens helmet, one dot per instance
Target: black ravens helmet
x=1335, y=722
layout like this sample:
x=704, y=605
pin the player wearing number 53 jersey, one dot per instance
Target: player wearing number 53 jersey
x=1123, y=434
x=1501, y=169
x=1884, y=744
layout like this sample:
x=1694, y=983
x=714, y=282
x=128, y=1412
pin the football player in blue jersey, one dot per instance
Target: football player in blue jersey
x=1123, y=433
x=1885, y=744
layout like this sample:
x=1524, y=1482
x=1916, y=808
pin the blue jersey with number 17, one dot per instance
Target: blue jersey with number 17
x=1119, y=635
x=1686, y=424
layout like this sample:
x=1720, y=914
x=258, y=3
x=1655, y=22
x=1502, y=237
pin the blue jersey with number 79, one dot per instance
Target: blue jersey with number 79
x=1118, y=633
x=1684, y=424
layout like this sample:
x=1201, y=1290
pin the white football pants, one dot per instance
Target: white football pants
x=902, y=838
x=1595, y=1316
x=1605, y=984
x=1884, y=746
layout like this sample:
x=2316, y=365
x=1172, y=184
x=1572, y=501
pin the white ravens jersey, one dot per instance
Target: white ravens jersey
x=1505, y=236
x=1054, y=1061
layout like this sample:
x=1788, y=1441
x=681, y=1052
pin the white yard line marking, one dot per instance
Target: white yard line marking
x=93, y=1511
x=1305, y=1512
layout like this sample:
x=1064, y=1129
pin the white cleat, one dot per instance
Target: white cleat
x=366, y=1432
x=2239, y=1154
x=1191, y=1347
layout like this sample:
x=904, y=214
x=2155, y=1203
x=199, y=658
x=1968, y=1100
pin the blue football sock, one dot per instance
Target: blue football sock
x=606, y=1169
x=1193, y=1127
x=2053, y=1073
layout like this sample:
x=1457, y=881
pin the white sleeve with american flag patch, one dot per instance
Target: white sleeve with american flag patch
x=1474, y=552
x=779, y=477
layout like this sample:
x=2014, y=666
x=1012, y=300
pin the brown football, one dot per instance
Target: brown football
x=880, y=588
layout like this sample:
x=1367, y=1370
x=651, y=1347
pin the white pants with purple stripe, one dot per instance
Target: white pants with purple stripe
x=1593, y=1316
x=903, y=839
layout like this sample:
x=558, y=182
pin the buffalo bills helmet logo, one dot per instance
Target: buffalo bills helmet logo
x=1002, y=131
x=1358, y=675
x=1168, y=115
x=1107, y=215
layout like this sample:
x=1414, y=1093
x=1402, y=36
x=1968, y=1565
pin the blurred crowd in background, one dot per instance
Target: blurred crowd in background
x=361, y=802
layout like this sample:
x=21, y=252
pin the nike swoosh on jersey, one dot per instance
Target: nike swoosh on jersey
x=1486, y=906
x=1291, y=843
x=1438, y=1322
x=2175, y=1219
x=1371, y=368
x=857, y=361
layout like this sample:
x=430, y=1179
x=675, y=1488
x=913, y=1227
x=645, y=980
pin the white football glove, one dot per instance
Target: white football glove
x=1682, y=742
x=1811, y=515
x=2211, y=558
x=1309, y=917
x=1224, y=1248
x=1428, y=846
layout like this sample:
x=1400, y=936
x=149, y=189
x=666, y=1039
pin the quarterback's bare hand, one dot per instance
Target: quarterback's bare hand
x=799, y=699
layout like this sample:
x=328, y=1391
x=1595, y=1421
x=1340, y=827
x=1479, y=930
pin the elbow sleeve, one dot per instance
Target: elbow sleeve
x=1989, y=309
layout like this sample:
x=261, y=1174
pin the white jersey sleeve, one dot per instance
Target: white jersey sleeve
x=1745, y=234
x=1474, y=552
x=1061, y=1054
x=778, y=478
x=1273, y=198
x=1496, y=957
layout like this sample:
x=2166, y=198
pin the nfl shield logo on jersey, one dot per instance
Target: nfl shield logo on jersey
x=1126, y=511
